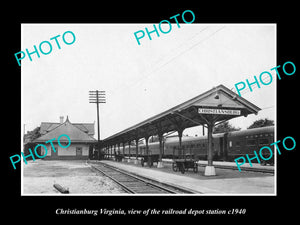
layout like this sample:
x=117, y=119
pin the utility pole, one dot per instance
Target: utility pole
x=97, y=97
x=24, y=133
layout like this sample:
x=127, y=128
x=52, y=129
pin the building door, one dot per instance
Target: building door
x=78, y=151
x=54, y=153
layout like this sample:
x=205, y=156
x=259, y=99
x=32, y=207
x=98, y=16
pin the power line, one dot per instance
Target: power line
x=269, y=107
x=148, y=74
x=256, y=86
x=184, y=43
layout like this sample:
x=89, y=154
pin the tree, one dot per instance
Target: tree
x=31, y=135
x=225, y=127
x=261, y=123
x=153, y=138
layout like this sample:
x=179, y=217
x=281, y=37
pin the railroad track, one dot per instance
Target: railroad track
x=133, y=184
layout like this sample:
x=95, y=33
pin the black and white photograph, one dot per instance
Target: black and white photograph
x=151, y=115
x=137, y=113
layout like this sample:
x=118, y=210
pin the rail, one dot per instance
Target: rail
x=134, y=184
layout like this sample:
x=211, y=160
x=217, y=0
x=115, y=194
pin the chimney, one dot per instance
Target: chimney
x=61, y=119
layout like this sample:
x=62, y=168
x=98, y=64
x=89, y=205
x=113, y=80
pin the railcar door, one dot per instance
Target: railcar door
x=225, y=147
x=221, y=155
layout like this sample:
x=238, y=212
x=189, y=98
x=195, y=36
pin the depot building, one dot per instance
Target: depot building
x=80, y=134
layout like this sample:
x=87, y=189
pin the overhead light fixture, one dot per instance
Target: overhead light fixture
x=217, y=96
x=217, y=93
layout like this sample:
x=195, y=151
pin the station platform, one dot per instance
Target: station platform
x=226, y=182
x=232, y=165
x=224, y=165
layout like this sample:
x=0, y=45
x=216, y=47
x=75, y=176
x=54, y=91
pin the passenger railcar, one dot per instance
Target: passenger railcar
x=153, y=149
x=244, y=142
x=153, y=153
x=226, y=146
x=193, y=147
x=127, y=151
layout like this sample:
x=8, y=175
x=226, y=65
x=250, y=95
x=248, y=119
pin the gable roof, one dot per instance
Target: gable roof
x=76, y=134
x=85, y=127
x=186, y=113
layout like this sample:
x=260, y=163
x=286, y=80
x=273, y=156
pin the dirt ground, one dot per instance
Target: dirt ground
x=40, y=175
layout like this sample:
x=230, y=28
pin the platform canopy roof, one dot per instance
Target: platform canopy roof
x=218, y=104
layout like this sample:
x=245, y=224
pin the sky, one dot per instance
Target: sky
x=144, y=80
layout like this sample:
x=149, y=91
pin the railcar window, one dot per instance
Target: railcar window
x=230, y=144
x=263, y=141
x=251, y=142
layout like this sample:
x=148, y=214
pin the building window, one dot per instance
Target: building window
x=263, y=141
x=251, y=142
x=78, y=151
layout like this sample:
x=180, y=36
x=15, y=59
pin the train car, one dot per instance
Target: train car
x=172, y=151
x=226, y=146
x=244, y=142
x=194, y=147
x=127, y=152
x=153, y=149
x=153, y=153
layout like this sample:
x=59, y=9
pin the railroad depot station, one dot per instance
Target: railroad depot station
x=203, y=164
x=208, y=109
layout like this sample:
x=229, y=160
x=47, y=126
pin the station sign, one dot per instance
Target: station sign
x=219, y=111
